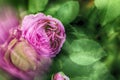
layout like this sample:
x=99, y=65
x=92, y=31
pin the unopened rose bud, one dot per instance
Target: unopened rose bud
x=21, y=60
x=60, y=76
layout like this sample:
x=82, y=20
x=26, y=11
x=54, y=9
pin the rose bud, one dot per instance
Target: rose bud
x=8, y=21
x=45, y=33
x=60, y=76
x=22, y=61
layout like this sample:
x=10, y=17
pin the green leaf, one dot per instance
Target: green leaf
x=101, y=4
x=110, y=8
x=80, y=78
x=85, y=51
x=68, y=11
x=37, y=5
x=113, y=11
x=100, y=72
x=52, y=8
x=74, y=32
x=86, y=8
x=71, y=69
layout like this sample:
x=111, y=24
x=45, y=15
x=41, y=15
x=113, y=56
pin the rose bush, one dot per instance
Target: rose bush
x=45, y=33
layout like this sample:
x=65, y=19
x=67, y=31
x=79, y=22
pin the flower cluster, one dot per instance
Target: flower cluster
x=26, y=50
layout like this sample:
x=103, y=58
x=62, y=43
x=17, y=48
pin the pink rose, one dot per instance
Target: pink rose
x=45, y=33
x=60, y=76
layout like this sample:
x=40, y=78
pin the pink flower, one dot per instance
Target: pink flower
x=8, y=21
x=21, y=60
x=45, y=33
x=60, y=76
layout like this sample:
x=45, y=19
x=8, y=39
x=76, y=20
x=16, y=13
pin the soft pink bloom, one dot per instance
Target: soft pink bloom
x=45, y=33
x=60, y=76
x=8, y=21
x=21, y=60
